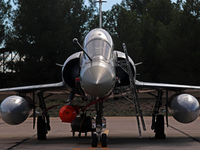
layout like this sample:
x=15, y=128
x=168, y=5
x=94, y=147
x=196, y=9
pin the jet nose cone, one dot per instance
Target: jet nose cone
x=97, y=81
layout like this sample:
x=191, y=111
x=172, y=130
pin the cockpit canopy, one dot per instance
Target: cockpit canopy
x=98, y=42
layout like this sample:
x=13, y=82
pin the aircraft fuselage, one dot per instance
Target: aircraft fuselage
x=98, y=76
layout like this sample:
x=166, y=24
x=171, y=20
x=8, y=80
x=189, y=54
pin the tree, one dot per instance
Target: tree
x=184, y=48
x=93, y=19
x=163, y=35
x=43, y=33
x=4, y=13
x=160, y=10
x=124, y=27
x=156, y=16
x=5, y=8
x=136, y=5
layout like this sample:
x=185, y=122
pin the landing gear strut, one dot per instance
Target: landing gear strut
x=98, y=137
x=158, y=119
x=43, y=122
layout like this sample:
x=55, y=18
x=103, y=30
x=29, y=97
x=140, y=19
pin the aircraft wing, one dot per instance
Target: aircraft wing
x=165, y=86
x=32, y=88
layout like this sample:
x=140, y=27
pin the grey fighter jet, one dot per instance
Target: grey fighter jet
x=95, y=74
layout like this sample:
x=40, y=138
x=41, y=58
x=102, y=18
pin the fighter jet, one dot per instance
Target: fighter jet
x=95, y=74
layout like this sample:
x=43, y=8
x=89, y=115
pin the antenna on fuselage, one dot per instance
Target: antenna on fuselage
x=75, y=40
x=100, y=12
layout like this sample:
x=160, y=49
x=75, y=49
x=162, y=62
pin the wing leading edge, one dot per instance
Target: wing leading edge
x=35, y=87
x=163, y=86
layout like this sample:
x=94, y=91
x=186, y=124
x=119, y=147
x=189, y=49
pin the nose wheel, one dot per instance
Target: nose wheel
x=96, y=141
x=99, y=139
x=104, y=140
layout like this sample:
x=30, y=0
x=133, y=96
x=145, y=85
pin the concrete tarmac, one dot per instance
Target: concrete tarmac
x=123, y=134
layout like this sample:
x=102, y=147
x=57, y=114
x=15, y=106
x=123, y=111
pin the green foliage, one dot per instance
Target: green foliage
x=183, y=37
x=4, y=12
x=163, y=35
x=42, y=34
x=136, y=5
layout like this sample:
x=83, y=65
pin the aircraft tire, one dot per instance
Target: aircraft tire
x=94, y=140
x=104, y=140
x=41, y=129
x=160, y=128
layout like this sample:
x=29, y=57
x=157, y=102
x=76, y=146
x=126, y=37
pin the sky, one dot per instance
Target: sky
x=108, y=5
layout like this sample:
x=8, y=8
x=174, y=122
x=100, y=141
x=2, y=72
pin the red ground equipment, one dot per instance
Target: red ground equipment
x=68, y=113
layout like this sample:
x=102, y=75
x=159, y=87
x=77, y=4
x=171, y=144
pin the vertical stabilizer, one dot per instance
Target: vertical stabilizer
x=100, y=12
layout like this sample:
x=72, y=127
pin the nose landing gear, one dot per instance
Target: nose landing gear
x=99, y=141
x=99, y=123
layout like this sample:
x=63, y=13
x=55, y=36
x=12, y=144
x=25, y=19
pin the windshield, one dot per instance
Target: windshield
x=98, y=42
x=98, y=47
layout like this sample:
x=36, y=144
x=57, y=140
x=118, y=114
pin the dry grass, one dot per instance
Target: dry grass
x=112, y=107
